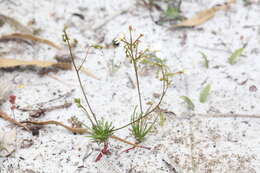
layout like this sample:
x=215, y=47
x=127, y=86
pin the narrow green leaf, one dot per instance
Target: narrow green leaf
x=188, y=101
x=206, y=61
x=204, y=93
x=233, y=57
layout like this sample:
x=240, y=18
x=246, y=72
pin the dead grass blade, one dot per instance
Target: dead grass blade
x=204, y=15
x=15, y=24
x=26, y=37
x=9, y=63
x=4, y=116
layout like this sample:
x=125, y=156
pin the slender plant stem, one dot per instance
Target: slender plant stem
x=87, y=115
x=134, y=55
x=79, y=79
x=164, y=91
x=138, y=87
x=132, y=52
x=84, y=59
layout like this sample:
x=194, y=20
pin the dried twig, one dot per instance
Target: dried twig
x=4, y=116
x=79, y=131
x=30, y=37
x=40, y=111
x=130, y=143
x=73, y=130
x=62, y=96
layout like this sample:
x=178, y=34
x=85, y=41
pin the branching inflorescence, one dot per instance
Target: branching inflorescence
x=100, y=129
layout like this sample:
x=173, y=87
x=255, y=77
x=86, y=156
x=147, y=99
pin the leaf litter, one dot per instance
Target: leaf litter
x=203, y=16
x=26, y=37
x=7, y=142
x=14, y=23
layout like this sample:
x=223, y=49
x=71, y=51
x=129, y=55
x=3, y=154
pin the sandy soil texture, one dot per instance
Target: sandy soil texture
x=221, y=135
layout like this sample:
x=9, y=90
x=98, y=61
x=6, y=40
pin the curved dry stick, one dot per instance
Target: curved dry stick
x=130, y=143
x=73, y=130
x=11, y=120
x=80, y=131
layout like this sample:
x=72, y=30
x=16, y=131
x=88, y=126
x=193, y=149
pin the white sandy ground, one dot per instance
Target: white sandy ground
x=189, y=141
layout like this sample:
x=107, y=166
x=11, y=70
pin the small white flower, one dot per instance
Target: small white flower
x=121, y=36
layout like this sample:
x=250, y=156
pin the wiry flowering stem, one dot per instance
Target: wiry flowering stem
x=67, y=40
x=132, y=52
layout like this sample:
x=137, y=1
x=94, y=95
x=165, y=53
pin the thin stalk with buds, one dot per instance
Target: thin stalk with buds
x=67, y=40
x=135, y=56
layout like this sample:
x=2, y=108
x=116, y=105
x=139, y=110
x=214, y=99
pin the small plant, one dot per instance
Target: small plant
x=101, y=130
x=141, y=127
x=173, y=11
x=171, y=14
x=139, y=123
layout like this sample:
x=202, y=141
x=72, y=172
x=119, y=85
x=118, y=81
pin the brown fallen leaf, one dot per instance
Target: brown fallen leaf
x=8, y=63
x=26, y=37
x=203, y=16
x=4, y=116
x=15, y=24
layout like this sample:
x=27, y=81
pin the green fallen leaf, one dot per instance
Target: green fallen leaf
x=188, y=101
x=204, y=93
x=206, y=61
x=172, y=12
x=237, y=53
